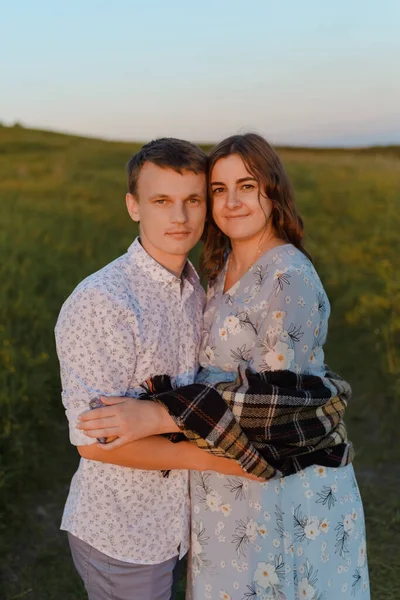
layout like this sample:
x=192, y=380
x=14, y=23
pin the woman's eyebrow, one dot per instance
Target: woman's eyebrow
x=242, y=179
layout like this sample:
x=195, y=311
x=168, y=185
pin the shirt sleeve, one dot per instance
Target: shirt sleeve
x=292, y=331
x=96, y=349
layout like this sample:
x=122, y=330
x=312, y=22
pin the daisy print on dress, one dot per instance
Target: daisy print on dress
x=356, y=491
x=241, y=354
x=306, y=580
x=281, y=279
x=237, y=486
x=294, y=333
x=232, y=324
x=319, y=340
x=208, y=496
x=344, y=531
x=210, y=352
x=230, y=294
x=327, y=496
x=321, y=303
x=245, y=321
x=280, y=530
x=277, y=355
x=260, y=275
x=203, y=488
x=279, y=514
x=308, y=528
x=198, y=543
x=246, y=531
x=267, y=581
x=360, y=575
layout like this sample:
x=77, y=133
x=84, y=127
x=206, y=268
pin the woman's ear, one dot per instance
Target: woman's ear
x=132, y=204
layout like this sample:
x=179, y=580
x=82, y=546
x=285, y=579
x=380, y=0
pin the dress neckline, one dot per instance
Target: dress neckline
x=236, y=284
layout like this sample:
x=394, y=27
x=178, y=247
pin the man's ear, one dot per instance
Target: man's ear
x=132, y=204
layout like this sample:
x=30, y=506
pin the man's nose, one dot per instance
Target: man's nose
x=179, y=213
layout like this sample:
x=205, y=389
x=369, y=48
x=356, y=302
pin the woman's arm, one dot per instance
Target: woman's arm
x=158, y=453
x=125, y=420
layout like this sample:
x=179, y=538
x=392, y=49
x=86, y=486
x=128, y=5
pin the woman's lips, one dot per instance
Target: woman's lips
x=236, y=217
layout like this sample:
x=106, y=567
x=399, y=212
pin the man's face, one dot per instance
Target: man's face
x=171, y=208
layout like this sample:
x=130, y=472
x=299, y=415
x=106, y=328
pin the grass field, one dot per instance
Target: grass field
x=62, y=217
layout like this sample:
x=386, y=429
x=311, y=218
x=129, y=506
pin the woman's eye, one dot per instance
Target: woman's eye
x=218, y=190
x=247, y=186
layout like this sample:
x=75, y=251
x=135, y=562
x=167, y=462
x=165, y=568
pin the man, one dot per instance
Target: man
x=139, y=316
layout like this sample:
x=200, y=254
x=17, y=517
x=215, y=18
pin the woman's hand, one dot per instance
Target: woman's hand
x=227, y=467
x=126, y=419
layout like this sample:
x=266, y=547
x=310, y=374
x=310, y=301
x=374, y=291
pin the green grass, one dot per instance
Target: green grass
x=62, y=217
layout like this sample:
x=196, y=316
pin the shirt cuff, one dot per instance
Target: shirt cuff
x=76, y=436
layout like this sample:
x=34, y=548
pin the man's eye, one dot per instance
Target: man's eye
x=194, y=200
x=161, y=201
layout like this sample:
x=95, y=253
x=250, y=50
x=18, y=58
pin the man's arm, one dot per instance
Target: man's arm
x=158, y=453
x=95, y=346
x=96, y=349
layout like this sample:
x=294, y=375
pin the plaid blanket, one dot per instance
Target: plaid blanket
x=273, y=423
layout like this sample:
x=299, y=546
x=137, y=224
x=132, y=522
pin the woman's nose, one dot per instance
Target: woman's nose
x=233, y=201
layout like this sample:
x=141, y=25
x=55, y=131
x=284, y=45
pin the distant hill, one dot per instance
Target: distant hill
x=17, y=138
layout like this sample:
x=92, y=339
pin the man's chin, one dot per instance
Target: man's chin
x=180, y=247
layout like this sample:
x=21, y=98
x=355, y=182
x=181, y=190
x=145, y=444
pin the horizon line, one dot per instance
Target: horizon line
x=283, y=146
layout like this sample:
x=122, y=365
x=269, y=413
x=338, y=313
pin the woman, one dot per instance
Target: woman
x=299, y=536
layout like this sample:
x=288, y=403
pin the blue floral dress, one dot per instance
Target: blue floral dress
x=302, y=536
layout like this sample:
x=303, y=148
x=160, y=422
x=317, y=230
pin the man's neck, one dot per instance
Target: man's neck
x=174, y=263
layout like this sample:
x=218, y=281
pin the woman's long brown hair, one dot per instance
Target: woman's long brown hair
x=263, y=163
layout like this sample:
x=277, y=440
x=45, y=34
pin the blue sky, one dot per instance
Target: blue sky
x=300, y=72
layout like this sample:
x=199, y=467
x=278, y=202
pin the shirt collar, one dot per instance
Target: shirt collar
x=157, y=272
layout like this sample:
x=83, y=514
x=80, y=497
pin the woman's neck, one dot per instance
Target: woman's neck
x=246, y=252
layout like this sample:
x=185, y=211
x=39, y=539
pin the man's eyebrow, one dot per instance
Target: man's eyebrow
x=166, y=196
x=241, y=180
x=158, y=196
x=195, y=196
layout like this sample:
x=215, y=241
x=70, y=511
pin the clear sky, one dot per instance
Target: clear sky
x=298, y=71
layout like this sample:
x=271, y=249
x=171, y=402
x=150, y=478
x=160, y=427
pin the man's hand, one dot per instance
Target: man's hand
x=126, y=419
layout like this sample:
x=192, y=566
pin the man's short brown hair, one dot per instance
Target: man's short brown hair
x=167, y=153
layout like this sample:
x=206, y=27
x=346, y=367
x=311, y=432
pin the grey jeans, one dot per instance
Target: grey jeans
x=107, y=578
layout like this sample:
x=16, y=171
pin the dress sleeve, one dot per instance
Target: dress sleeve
x=96, y=350
x=291, y=332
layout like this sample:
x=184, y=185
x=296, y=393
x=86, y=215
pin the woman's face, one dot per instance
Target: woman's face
x=238, y=207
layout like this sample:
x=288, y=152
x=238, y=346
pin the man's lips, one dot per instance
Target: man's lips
x=178, y=233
